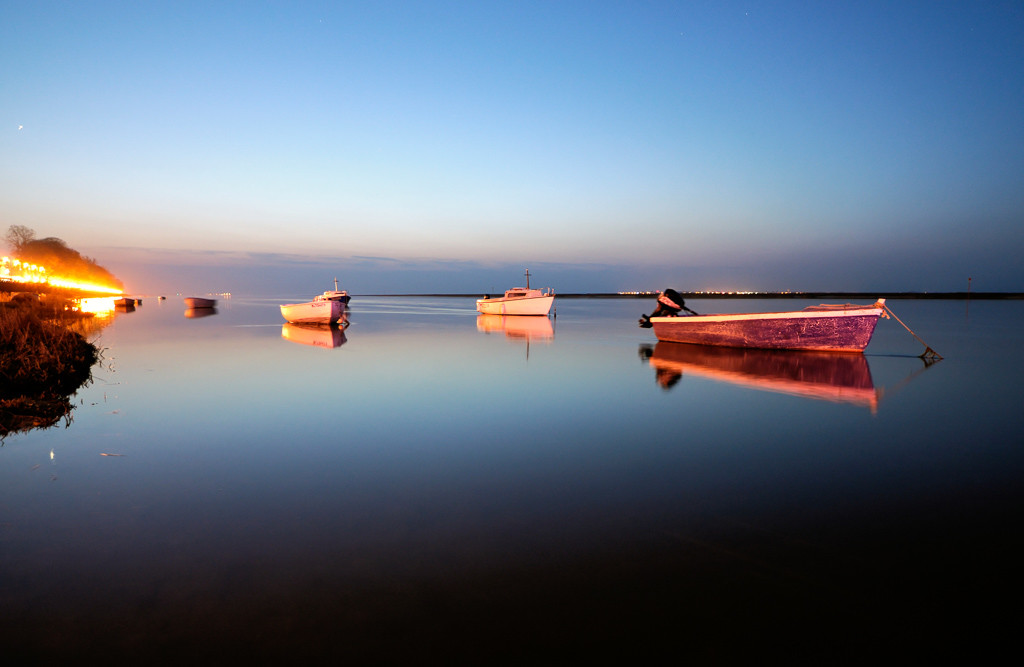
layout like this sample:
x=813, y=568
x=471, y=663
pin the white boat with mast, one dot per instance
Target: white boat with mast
x=318, y=311
x=518, y=301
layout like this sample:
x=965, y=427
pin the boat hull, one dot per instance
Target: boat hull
x=529, y=305
x=313, y=312
x=199, y=302
x=839, y=329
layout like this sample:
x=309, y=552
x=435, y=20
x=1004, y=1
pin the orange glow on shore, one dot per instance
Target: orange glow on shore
x=15, y=270
x=100, y=306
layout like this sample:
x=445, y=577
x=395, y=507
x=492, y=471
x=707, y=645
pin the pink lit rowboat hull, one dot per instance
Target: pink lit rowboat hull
x=829, y=328
x=313, y=312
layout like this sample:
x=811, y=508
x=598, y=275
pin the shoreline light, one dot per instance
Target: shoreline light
x=33, y=273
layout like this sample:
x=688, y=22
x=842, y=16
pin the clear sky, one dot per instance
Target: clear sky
x=269, y=146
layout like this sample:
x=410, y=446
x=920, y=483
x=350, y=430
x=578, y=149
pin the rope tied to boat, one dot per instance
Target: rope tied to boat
x=928, y=353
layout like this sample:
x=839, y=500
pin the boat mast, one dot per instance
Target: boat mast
x=527, y=278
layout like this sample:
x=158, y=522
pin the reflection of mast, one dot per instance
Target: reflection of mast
x=517, y=327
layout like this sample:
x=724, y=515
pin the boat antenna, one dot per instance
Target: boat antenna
x=527, y=278
x=335, y=283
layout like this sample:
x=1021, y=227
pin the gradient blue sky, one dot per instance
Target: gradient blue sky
x=444, y=146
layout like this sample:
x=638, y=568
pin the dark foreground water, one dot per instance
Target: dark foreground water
x=431, y=487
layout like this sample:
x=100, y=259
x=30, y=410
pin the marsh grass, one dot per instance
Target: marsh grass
x=42, y=362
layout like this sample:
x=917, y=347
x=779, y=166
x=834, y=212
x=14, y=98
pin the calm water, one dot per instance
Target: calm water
x=432, y=486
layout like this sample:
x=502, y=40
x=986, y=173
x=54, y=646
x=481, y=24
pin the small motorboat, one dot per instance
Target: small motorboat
x=518, y=301
x=827, y=327
x=199, y=302
x=317, y=311
x=334, y=294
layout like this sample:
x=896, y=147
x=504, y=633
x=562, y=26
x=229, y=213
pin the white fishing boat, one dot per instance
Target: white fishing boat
x=518, y=301
x=334, y=294
x=313, y=312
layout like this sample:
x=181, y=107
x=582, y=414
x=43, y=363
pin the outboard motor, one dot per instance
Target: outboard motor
x=670, y=303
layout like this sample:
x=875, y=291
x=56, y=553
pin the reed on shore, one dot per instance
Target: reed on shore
x=42, y=362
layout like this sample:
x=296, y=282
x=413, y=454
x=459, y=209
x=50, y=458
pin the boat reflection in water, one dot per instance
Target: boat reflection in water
x=317, y=335
x=524, y=327
x=829, y=376
x=518, y=327
x=193, y=313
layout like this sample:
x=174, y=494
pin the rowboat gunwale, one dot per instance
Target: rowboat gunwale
x=844, y=328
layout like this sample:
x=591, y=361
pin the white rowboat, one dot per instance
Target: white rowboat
x=313, y=312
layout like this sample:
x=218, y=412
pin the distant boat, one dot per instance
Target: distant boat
x=313, y=312
x=825, y=328
x=334, y=295
x=828, y=376
x=518, y=301
x=199, y=302
x=125, y=302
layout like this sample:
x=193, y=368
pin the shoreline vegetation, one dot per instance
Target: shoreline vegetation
x=43, y=361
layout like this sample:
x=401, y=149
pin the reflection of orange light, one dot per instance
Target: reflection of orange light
x=97, y=305
x=15, y=270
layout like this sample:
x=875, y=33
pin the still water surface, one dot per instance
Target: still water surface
x=428, y=484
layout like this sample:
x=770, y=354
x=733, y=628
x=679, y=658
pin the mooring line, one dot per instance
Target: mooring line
x=928, y=353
